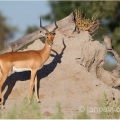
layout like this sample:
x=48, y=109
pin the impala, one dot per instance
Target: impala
x=31, y=60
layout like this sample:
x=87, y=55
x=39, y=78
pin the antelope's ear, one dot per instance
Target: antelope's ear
x=46, y=33
x=54, y=33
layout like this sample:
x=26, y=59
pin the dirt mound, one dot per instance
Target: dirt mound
x=62, y=79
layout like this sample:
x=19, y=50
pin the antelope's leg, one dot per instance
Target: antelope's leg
x=32, y=79
x=4, y=76
x=36, y=89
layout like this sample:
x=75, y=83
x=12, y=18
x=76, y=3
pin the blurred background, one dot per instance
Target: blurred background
x=19, y=18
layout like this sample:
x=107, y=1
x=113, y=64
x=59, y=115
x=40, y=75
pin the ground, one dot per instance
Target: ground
x=62, y=79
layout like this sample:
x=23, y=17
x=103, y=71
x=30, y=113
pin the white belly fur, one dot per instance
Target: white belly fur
x=20, y=69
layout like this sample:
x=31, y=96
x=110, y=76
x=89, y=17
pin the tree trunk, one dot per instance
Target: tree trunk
x=65, y=26
x=92, y=52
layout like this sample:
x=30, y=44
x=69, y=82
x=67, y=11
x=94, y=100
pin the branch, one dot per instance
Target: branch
x=18, y=44
x=110, y=78
x=65, y=26
x=108, y=42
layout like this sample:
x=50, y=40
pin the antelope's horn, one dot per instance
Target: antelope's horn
x=43, y=27
x=55, y=27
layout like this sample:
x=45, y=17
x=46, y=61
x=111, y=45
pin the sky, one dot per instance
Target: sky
x=24, y=13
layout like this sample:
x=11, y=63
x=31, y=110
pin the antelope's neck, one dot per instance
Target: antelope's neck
x=45, y=52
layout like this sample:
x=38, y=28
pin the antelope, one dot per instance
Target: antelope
x=31, y=60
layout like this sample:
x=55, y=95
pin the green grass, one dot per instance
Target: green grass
x=59, y=114
x=43, y=39
x=26, y=46
x=111, y=108
x=25, y=111
x=82, y=115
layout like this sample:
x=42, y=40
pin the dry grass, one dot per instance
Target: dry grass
x=33, y=111
x=84, y=23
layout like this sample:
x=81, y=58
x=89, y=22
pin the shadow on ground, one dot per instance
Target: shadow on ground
x=23, y=76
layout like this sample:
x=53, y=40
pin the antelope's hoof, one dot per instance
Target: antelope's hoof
x=38, y=101
x=3, y=107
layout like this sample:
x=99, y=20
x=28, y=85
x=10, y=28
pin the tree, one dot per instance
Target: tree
x=31, y=29
x=109, y=15
x=6, y=31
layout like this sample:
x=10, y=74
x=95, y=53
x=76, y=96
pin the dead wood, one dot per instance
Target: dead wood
x=65, y=26
x=92, y=57
x=92, y=54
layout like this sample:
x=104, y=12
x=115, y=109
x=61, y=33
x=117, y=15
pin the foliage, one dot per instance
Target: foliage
x=12, y=113
x=111, y=108
x=32, y=110
x=43, y=39
x=25, y=46
x=59, y=114
x=23, y=111
x=6, y=31
x=84, y=23
x=31, y=29
x=82, y=115
x=107, y=65
x=109, y=15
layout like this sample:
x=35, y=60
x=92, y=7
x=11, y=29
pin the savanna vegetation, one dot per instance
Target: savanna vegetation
x=106, y=108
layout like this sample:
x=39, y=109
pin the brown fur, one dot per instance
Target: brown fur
x=33, y=60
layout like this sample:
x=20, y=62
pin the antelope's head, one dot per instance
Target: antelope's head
x=49, y=35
